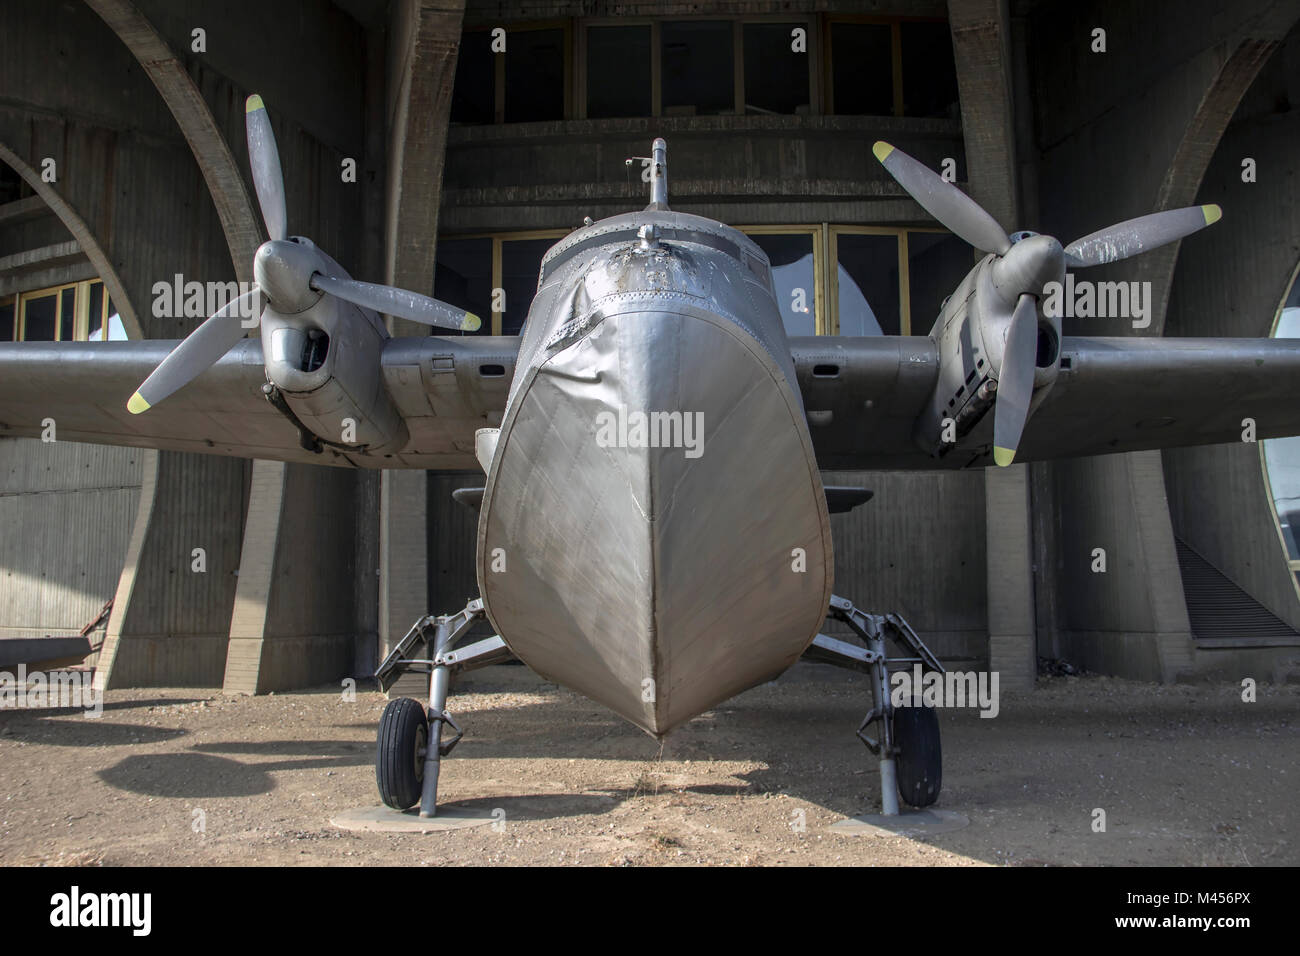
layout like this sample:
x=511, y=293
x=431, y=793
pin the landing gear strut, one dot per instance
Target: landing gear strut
x=411, y=741
x=908, y=748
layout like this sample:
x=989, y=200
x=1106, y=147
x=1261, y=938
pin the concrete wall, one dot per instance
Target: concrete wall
x=1219, y=502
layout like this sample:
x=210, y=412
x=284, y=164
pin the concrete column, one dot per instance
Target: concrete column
x=169, y=625
x=1013, y=649
x=981, y=35
x=424, y=38
x=294, y=621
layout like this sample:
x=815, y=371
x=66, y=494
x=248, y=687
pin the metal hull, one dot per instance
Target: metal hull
x=658, y=581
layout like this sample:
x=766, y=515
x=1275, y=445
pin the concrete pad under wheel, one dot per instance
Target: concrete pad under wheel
x=388, y=820
x=909, y=823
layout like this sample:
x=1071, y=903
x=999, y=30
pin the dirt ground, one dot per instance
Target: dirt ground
x=1186, y=774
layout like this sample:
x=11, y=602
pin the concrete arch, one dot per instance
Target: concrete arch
x=186, y=103
x=81, y=232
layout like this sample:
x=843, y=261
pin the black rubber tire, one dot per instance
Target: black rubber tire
x=399, y=757
x=920, y=758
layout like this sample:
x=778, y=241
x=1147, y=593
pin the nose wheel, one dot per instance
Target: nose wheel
x=911, y=759
x=412, y=740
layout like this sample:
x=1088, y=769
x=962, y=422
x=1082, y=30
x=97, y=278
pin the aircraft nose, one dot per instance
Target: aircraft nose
x=283, y=268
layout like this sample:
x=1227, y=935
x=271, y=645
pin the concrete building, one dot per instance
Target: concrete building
x=443, y=145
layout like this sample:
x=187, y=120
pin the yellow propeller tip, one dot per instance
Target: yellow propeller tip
x=471, y=322
x=1212, y=213
x=137, y=404
x=253, y=104
x=1004, y=456
x=882, y=150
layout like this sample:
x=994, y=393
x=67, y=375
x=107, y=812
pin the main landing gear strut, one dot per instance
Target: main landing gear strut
x=411, y=740
x=911, y=761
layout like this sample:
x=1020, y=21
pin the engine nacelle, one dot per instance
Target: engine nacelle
x=326, y=361
x=971, y=334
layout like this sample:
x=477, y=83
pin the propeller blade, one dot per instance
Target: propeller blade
x=265, y=160
x=1015, y=381
x=941, y=199
x=1139, y=235
x=399, y=302
x=201, y=349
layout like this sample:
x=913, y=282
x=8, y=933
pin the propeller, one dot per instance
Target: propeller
x=1016, y=385
x=972, y=223
x=291, y=276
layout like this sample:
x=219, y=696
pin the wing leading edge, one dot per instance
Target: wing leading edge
x=445, y=388
x=863, y=395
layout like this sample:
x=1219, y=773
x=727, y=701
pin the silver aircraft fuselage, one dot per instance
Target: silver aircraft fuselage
x=654, y=531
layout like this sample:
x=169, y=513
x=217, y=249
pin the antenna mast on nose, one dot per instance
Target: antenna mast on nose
x=659, y=175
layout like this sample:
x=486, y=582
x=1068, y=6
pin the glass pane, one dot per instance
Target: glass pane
x=868, y=279
x=95, y=324
x=698, y=68
x=521, y=261
x=936, y=264
x=8, y=319
x=40, y=313
x=794, y=278
x=1282, y=456
x=862, y=74
x=68, y=315
x=116, y=331
x=776, y=77
x=534, y=75
x=618, y=71
x=462, y=275
x=473, y=99
x=929, y=71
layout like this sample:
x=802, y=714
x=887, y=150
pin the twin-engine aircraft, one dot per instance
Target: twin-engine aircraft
x=653, y=529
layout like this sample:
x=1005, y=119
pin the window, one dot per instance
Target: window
x=776, y=74
x=619, y=72
x=535, y=62
x=698, y=68
x=493, y=275
x=526, y=83
x=861, y=280
x=891, y=67
x=936, y=264
x=1281, y=456
x=795, y=257
x=862, y=71
x=77, y=311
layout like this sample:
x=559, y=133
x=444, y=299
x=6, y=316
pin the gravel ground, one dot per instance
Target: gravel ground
x=1187, y=774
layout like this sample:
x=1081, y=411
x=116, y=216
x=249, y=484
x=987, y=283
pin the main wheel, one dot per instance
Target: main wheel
x=920, y=759
x=399, y=759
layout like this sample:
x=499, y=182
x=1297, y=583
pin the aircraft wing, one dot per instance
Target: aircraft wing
x=445, y=388
x=862, y=397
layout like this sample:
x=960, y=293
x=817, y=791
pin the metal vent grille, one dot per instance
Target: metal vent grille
x=1218, y=608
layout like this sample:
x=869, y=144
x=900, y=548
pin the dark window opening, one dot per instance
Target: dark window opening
x=868, y=285
x=936, y=264
x=521, y=262
x=534, y=76
x=462, y=276
x=473, y=97
x=862, y=70
x=40, y=318
x=618, y=72
x=8, y=314
x=929, y=70
x=776, y=77
x=794, y=279
x=698, y=68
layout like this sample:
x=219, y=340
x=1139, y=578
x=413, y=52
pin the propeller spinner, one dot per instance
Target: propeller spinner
x=291, y=277
x=1024, y=267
